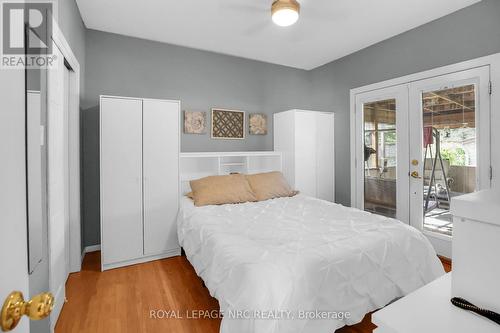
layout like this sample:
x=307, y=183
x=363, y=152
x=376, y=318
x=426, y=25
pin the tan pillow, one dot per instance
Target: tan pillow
x=270, y=185
x=219, y=190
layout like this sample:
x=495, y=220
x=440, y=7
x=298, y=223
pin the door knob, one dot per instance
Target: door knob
x=15, y=307
x=415, y=174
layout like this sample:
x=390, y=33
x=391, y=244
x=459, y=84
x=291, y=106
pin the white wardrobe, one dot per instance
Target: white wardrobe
x=139, y=179
x=306, y=141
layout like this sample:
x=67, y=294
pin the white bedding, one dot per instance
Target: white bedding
x=275, y=259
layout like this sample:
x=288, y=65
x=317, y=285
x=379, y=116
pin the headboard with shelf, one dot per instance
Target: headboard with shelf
x=199, y=165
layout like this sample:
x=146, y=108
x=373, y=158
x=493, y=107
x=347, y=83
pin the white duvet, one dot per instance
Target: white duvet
x=301, y=264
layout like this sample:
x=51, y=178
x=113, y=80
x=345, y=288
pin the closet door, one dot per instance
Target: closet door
x=58, y=181
x=305, y=153
x=284, y=142
x=121, y=179
x=161, y=175
x=325, y=165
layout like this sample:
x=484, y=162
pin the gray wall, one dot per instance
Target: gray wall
x=469, y=33
x=71, y=24
x=119, y=65
x=126, y=66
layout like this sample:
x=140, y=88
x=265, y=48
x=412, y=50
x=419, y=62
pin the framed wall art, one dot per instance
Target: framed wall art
x=195, y=122
x=228, y=124
x=257, y=124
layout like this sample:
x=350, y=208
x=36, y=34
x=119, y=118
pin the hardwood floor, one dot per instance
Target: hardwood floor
x=121, y=300
x=446, y=263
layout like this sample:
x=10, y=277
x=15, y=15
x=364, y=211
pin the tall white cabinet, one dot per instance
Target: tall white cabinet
x=306, y=141
x=139, y=175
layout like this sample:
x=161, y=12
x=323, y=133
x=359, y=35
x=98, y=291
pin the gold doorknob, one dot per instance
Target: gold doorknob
x=415, y=174
x=15, y=307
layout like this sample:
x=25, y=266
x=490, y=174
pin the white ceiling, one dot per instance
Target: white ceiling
x=327, y=29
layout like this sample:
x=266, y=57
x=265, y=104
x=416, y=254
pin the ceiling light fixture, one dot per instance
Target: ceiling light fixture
x=285, y=12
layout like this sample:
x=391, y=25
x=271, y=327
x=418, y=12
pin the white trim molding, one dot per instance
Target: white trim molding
x=92, y=248
x=73, y=149
x=89, y=249
x=171, y=253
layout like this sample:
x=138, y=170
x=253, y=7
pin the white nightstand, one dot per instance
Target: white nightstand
x=428, y=309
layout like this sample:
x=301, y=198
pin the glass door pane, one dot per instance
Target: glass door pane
x=449, y=148
x=382, y=154
x=450, y=152
x=380, y=157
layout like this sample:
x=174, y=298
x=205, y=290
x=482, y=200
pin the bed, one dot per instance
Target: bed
x=301, y=264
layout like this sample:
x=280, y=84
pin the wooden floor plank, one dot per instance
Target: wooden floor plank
x=121, y=300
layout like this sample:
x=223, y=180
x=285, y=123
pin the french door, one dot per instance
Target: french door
x=420, y=144
x=449, y=147
x=382, y=152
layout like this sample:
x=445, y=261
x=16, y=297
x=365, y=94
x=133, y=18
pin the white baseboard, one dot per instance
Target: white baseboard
x=171, y=253
x=59, y=300
x=91, y=248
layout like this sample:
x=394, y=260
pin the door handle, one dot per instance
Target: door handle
x=415, y=175
x=15, y=307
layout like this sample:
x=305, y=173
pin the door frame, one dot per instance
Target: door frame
x=72, y=167
x=400, y=94
x=483, y=154
x=75, y=241
x=493, y=61
x=441, y=242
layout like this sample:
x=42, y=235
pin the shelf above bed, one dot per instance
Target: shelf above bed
x=231, y=153
x=203, y=164
x=233, y=164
